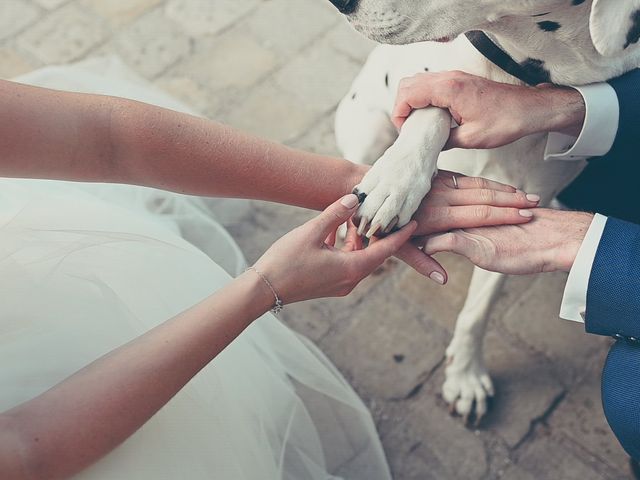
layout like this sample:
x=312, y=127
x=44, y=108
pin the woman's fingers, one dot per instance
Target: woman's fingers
x=331, y=239
x=379, y=251
x=441, y=219
x=410, y=254
x=352, y=241
x=491, y=197
x=464, y=183
x=332, y=217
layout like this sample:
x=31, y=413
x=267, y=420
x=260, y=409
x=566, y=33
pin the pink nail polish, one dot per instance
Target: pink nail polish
x=526, y=213
x=533, y=198
x=437, y=277
x=349, y=201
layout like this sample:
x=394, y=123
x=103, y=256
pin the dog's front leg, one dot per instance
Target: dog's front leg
x=399, y=180
x=467, y=383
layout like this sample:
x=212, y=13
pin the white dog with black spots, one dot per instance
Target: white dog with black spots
x=567, y=42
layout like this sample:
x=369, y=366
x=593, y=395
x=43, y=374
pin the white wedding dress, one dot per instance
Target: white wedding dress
x=85, y=268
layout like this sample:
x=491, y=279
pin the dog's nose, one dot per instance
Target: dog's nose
x=345, y=6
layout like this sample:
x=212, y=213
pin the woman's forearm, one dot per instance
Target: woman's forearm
x=177, y=152
x=87, y=415
x=70, y=136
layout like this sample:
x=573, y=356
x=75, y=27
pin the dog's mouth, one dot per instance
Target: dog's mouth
x=398, y=34
x=394, y=33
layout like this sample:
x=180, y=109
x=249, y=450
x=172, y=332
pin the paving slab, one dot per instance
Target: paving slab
x=64, y=35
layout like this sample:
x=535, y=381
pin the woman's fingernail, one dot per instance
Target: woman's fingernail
x=526, y=213
x=533, y=198
x=349, y=201
x=437, y=277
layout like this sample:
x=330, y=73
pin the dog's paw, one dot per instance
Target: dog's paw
x=468, y=386
x=392, y=191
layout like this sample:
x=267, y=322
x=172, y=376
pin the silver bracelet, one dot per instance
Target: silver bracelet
x=278, y=306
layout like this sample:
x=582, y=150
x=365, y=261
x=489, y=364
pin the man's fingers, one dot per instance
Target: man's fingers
x=382, y=249
x=422, y=263
x=496, y=198
x=446, y=242
x=458, y=138
x=333, y=216
x=401, y=112
x=441, y=219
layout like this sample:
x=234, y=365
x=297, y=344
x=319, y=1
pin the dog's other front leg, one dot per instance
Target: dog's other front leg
x=467, y=382
x=396, y=184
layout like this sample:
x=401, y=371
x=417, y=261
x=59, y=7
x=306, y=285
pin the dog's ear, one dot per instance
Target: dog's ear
x=615, y=25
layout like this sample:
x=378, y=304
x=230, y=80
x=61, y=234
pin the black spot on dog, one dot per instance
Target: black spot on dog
x=549, y=26
x=386, y=80
x=577, y=2
x=534, y=69
x=634, y=32
x=353, y=97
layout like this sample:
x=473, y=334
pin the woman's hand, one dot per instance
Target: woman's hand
x=304, y=264
x=457, y=201
x=490, y=114
x=549, y=243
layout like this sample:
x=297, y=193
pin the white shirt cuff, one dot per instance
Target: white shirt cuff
x=598, y=132
x=574, y=301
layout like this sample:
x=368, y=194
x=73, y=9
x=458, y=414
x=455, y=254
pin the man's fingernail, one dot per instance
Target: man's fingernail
x=437, y=277
x=526, y=213
x=533, y=198
x=349, y=201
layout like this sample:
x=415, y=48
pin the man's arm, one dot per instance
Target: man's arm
x=615, y=174
x=613, y=295
x=627, y=140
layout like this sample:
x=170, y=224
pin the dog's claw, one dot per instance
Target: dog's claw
x=373, y=230
x=392, y=225
x=362, y=227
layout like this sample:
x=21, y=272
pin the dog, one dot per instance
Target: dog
x=566, y=42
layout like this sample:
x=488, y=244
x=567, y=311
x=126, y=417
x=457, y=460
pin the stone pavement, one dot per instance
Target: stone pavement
x=277, y=68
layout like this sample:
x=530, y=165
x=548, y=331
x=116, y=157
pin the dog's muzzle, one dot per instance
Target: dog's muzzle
x=345, y=6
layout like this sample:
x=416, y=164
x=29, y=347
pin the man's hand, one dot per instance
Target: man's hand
x=490, y=114
x=476, y=202
x=548, y=243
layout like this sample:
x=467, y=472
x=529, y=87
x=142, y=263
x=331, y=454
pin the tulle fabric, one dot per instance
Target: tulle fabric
x=85, y=268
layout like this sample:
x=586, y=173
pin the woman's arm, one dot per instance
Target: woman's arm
x=84, y=417
x=71, y=136
x=87, y=415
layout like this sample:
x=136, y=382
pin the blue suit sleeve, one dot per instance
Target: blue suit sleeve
x=627, y=140
x=621, y=395
x=613, y=296
x=613, y=308
x=609, y=184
